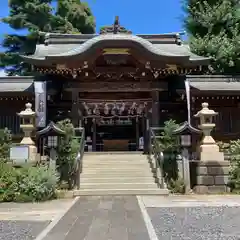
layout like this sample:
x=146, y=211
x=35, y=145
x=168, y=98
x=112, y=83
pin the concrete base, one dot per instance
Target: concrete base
x=211, y=176
x=210, y=153
x=32, y=154
x=30, y=157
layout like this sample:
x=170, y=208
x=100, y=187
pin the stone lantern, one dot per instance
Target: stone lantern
x=27, y=124
x=26, y=151
x=209, y=150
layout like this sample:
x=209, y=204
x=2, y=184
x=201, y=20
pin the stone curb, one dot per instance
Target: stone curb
x=64, y=194
x=44, y=233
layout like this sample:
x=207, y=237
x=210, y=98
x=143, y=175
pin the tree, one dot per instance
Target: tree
x=35, y=16
x=214, y=31
x=31, y=15
x=78, y=14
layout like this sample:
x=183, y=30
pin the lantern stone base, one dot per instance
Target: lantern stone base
x=210, y=176
x=32, y=154
x=27, y=141
x=24, y=154
x=210, y=152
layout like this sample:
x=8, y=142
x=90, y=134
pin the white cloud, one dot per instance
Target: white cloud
x=2, y=73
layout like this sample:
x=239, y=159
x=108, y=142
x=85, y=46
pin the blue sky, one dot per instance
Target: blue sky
x=151, y=16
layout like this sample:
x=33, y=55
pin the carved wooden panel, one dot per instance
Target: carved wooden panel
x=115, y=108
x=120, y=86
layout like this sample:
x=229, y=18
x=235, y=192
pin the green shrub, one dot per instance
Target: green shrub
x=8, y=182
x=27, y=184
x=39, y=183
x=234, y=151
x=223, y=146
x=177, y=186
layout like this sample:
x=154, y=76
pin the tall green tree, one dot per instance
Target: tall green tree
x=214, y=30
x=78, y=14
x=35, y=16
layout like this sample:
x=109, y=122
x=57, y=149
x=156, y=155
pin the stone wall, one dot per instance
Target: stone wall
x=209, y=176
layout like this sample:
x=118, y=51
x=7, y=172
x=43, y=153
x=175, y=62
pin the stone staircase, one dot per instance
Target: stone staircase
x=117, y=174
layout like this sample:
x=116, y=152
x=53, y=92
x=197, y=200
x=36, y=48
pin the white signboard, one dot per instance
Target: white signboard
x=19, y=154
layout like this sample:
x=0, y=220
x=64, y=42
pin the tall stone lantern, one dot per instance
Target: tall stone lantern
x=27, y=124
x=209, y=150
x=26, y=151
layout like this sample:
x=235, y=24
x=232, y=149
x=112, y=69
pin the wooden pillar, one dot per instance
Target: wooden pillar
x=155, y=108
x=94, y=135
x=75, y=105
x=146, y=134
x=137, y=133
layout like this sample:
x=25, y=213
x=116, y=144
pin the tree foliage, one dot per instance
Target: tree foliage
x=214, y=30
x=67, y=151
x=168, y=141
x=5, y=143
x=35, y=16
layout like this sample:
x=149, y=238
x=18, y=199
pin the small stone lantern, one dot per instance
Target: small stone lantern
x=27, y=124
x=209, y=150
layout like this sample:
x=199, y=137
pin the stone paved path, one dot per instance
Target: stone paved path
x=190, y=217
x=102, y=218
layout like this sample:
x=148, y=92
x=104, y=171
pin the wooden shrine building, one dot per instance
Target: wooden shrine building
x=116, y=85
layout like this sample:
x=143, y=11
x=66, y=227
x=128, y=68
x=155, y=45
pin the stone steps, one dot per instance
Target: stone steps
x=114, y=162
x=110, y=174
x=123, y=185
x=117, y=174
x=114, y=179
x=116, y=169
x=120, y=192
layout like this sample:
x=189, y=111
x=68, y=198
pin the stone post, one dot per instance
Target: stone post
x=212, y=170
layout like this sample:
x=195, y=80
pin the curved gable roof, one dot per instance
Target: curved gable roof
x=156, y=47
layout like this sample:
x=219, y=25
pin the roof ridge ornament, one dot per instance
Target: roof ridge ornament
x=116, y=25
x=115, y=28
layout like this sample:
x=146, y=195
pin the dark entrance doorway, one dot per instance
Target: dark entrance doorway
x=115, y=125
x=114, y=133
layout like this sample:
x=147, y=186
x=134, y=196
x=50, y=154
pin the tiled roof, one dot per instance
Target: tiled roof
x=63, y=45
x=215, y=83
x=16, y=84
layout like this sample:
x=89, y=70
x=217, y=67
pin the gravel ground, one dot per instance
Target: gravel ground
x=197, y=223
x=20, y=230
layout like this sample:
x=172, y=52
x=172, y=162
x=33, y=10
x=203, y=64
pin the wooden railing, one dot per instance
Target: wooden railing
x=78, y=160
x=157, y=154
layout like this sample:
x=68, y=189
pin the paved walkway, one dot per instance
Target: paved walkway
x=200, y=217
x=101, y=218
